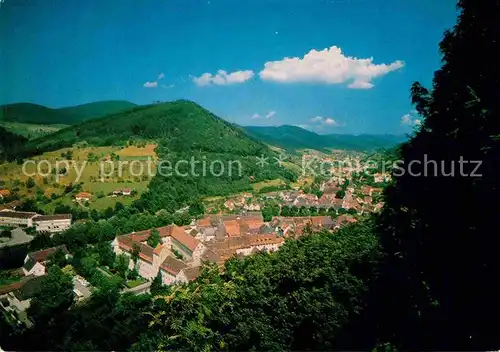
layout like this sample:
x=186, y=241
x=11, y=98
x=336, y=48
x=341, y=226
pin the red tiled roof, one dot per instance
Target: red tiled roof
x=192, y=273
x=17, y=214
x=205, y=222
x=52, y=217
x=158, y=249
x=83, y=195
x=172, y=265
x=41, y=256
x=232, y=227
x=182, y=237
x=4, y=192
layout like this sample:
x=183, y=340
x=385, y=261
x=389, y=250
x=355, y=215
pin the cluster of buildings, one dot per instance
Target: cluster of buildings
x=244, y=202
x=15, y=297
x=215, y=238
x=123, y=192
x=361, y=201
x=49, y=223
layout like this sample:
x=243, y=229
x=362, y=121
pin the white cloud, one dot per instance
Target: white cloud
x=154, y=84
x=321, y=121
x=331, y=122
x=328, y=66
x=223, y=78
x=270, y=114
x=360, y=85
x=410, y=119
x=151, y=84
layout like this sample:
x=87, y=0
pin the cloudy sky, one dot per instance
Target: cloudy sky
x=339, y=66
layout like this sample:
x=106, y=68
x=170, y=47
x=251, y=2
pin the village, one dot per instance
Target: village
x=233, y=226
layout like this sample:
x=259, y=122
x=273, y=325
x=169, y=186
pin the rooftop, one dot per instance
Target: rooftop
x=17, y=214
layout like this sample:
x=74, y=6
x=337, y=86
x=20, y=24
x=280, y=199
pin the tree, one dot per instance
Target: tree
x=30, y=183
x=133, y=274
x=136, y=251
x=54, y=297
x=267, y=213
x=154, y=238
x=438, y=283
x=121, y=264
x=58, y=258
x=6, y=233
x=340, y=194
x=106, y=254
x=196, y=208
x=156, y=285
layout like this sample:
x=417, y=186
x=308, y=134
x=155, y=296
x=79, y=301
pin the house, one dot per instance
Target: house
x=16, y=218
x=322, y=222
x=367, y=191
x=16, y=297
x=175, y=241
x=252, y=207
x=172, y=271
x=34, y=262
x=123, y=191
x=52, y=223
x=229, y=205
x=381, y=177
x=85, y=196
x=11, y=205
x=245, y=245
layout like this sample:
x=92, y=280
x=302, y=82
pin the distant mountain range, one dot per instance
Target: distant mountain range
x=104, y=119
x=39, y=114
x=293, y=137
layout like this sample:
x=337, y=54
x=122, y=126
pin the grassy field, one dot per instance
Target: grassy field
x=135, y=283
x=90, y=166
x=31, y=131
x=271, y=183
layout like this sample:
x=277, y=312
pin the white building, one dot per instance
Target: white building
x=34, y=262
x=174, y=241
x=52, y=223
x=16, y=218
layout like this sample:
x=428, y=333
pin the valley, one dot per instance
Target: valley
x=211, y=177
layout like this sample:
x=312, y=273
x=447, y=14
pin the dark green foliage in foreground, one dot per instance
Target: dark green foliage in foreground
x=440, y=289
x=10, y=144
x=301, y=297
x=54, y=297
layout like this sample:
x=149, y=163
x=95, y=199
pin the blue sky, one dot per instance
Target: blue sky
x=66, y=52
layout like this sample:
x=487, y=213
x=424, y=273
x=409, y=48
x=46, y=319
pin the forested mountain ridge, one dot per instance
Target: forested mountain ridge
x=184, y=131
x=294, y=137
x=182, y=125
x=39, y=114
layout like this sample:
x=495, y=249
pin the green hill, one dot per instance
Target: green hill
x=10, y=144
x=293, y=137
x=183, y=131
x=180, y=126
x=99, y=108
x=42, y=115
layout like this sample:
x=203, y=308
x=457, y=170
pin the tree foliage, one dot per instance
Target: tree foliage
x=439, y=283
